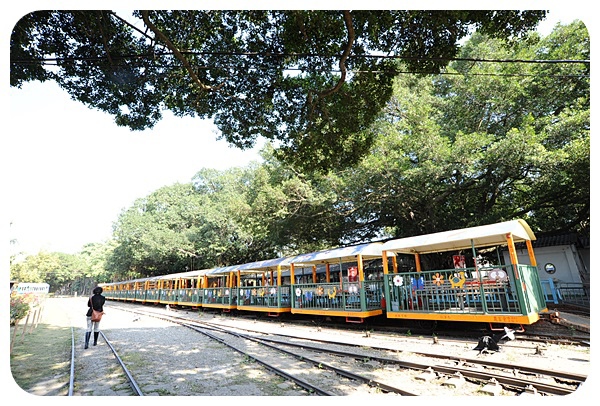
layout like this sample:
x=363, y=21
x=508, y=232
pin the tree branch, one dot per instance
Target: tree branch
x=104, y=43
x=177, y=53
x=345, y=54
x=312, y=102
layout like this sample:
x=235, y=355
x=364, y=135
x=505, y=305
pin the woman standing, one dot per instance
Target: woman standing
x=95, y=302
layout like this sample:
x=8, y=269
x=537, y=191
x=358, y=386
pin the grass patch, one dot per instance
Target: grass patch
x=43, y=353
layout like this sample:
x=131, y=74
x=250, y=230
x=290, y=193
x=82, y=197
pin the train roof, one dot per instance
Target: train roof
x=223, y=270
x=184, y=275
x=464, y=238
x=343, y=254
x=265, y=265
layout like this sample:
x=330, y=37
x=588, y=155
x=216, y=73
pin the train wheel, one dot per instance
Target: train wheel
x=429, y=325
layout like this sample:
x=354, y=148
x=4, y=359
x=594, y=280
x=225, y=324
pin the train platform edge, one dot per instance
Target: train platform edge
x=567, y=319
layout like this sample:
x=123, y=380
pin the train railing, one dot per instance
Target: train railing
x=467, y=290
x=130, y=295
x=347, y=296
x=219, y=295
x=169, y=296
x=264, y=296
x=153, y=295
x=190, y=296
x=140, y=295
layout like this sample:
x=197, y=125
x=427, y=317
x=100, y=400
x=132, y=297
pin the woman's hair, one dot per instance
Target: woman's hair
x=97, y=290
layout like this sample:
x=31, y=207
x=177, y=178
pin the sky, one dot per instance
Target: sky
x=69, y=170
x=73, y=170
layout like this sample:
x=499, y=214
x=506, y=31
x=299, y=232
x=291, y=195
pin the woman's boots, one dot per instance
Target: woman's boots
x=87, y=338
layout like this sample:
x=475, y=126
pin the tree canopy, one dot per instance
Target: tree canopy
x=310, y=81
x=485, y=142
x=501, y=132
x=479, y=144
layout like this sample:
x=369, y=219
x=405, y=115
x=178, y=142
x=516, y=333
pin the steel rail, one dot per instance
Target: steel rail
x=506, y=380
x=174, y=319
x=306, y=385
x=132, y=382
x=516, y=382
x=72, y=373
x=509, y=381
x=339, y=371
x=343, y=372
x=522, y=368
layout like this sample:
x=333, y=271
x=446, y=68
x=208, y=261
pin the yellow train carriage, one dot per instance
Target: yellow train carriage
x=492, y=293
x=220, y=288
x=262, y=286
x=342, y=288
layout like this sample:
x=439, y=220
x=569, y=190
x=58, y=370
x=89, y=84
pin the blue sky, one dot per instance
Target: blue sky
x=70, y=170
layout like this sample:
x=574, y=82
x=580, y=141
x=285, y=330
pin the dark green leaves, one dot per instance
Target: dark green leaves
x=305, y=79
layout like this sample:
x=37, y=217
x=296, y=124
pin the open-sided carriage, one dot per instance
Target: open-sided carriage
x=263, y=288
x=345, y=282
x=220, y=288
x=492, y=293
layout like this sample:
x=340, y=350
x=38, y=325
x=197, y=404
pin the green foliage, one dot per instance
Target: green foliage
x=301, y=78
x=36, y=268
x=486, y=146
x=226, y=217
x=486, y=143
x=65, y=271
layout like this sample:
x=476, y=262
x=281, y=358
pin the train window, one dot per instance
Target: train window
x=550, y=268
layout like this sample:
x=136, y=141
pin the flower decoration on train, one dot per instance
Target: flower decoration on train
x=398, y=281
x=298, y=291
x=273, y=291
x=438, y=279
x=331, y=292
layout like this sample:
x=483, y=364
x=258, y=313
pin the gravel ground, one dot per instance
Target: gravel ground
x=177, y=361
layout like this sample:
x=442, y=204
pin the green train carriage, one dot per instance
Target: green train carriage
x=495, y=293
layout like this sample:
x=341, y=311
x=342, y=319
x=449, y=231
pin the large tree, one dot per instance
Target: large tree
x=485, y=142
x=55, y=268
x=226, y=217
x=480, y=143
x=312, y=81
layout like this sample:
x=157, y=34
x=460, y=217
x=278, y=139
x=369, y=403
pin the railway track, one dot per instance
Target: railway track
x=443, y=369
x=105, y=359
x=303, y=370
x=553, y=334
x=479, y=371
x=306, y=372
